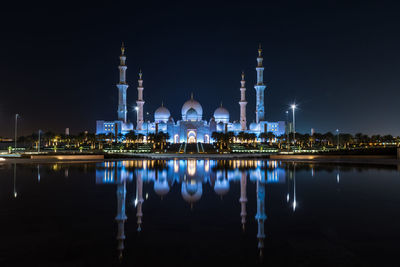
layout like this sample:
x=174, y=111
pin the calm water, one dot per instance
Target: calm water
x=198, y=212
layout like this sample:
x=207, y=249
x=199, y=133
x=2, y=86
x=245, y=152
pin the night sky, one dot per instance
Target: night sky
x=340, y=62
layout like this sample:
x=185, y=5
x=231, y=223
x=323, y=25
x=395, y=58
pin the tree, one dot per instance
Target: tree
x=218, y=137
x=110, y=137
x=101, y=138
x=241, y=136
x=120, y=137
x=264, y=137
x=270, y=136
x=131, y=136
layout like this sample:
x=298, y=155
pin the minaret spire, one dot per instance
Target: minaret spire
x=243, y=104
x=122, y=87
x=122, y=49
x=140, y=103
x=260, y=87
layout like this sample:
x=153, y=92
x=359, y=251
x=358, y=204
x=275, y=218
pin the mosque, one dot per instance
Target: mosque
x=191, y=176
x=191, y=127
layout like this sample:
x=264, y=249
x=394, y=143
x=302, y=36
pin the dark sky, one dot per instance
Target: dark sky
x=339, y=61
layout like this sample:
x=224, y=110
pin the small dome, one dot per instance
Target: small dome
x=161, y=114
x=254, y=126
x=161, y=187
x=221, y=187
x=191, y=103
x=221, y=114
x=237, y=126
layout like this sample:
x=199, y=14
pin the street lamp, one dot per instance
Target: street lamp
x=287, y=129
x=38, y=148
x=337, y=133
x=293, y=107
x=147, y=124
x=15, y=137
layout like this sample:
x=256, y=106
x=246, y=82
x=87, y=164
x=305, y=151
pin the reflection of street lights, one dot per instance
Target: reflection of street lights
x=15, y=138
x=294, y=187
x=15, y=180
x=293, y=106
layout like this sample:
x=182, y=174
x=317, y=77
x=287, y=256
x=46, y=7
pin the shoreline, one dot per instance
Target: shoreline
x=336, y=159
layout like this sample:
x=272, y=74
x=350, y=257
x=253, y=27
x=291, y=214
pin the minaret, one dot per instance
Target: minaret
x=260, y=87
x=243, y=104
x=260, y=216
x=140, y=200
x=243, y=198
x=122, y=87
x=140, y=103
x=121, y=216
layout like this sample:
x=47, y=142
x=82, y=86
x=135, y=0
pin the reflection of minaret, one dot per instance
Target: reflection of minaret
x=243, y=104
x=140, y=103
x=243, y=198
x=15, y=180
x=260, y=87
x=260, y=216
x=139, y=201
x=121, y=216
x=122, y=87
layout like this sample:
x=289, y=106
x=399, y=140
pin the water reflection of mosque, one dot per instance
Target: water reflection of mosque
x=191, y=175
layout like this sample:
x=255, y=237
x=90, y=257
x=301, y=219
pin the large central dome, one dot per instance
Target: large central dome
x=192, y=104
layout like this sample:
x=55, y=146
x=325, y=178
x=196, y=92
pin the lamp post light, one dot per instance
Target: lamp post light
x=38, y=148
x=287, y=129
x=337, y=133
x=147, y=124
x=15, y=132
x=293, y=106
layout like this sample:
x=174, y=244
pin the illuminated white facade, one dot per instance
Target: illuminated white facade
x=192, y=127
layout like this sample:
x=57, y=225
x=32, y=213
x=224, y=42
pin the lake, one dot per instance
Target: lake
x=199, y=212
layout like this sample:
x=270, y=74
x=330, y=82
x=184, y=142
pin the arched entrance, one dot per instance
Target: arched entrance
x=191, y=136
x=176, y=138
x=206, y=139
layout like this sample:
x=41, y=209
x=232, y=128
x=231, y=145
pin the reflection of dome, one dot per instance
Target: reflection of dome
x=161, y=114
x=192, y=191
x=192, y=104
x=161, y=187
x=221, y=114
x=221, y=187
